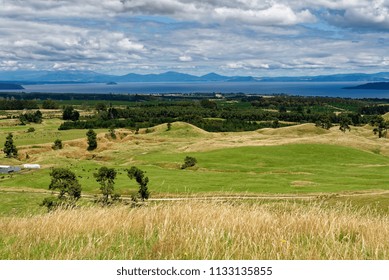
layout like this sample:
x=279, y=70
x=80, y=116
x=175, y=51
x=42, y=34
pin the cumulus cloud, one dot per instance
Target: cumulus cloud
x=185, y=58
x=238, y=36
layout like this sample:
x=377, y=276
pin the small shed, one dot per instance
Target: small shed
x=31, y=166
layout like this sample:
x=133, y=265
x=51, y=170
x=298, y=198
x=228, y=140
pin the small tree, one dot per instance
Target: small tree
x=139, y=176
x=112, y=132
x=189, y=162
x=101, y=107
x=380, y=126
x=10, y=149
x=64, y=181
x=106, y=178
x=57, y=145
x=275, y=124
x=169, y=126
x=381, y=129
x=92, y=140
x=70, y=114
x=344, y=124
x=324, y=122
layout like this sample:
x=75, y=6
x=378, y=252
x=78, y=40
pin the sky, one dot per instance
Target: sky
x=241, y=37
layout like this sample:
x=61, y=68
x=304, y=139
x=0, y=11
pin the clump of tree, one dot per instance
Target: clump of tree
x=112, y=132
x=10, y=149
x=92, y=139
x=344, y=123
x=324, y=122
x=189, y=162
x=209, y=104
x=380, y=126
x=69, y=189
x=101, y=107
x=17, y=104
x=57, y=144
x=30, y=129
x=49, y=104
x=35, y=117
x=139, y=176
x=106, y=178
x=69, y=113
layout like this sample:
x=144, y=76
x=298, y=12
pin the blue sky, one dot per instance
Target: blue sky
x=241, y=37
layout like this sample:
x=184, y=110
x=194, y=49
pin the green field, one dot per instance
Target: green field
x=287, y=168
x=294, y=168
x=304, y=174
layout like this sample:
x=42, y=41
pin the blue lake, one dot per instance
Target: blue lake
x=333, y=89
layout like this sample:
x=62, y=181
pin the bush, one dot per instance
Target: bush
x=189, y=162
x=138, y=175
x=92, y=140
x=57, y=145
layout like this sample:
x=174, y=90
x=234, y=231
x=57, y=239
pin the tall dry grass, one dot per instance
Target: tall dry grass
x=199, y=230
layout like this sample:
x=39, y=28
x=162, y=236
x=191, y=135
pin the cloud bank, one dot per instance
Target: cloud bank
x=274, y=37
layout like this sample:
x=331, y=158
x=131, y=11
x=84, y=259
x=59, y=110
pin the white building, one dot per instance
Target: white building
x=31, y=166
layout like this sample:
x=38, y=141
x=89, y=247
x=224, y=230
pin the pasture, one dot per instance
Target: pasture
x=297, y=192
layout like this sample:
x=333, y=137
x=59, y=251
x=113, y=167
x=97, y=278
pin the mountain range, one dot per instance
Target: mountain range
x=76, y=76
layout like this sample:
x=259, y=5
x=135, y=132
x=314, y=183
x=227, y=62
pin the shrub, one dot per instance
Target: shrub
x=189, y=162
x=57, y=144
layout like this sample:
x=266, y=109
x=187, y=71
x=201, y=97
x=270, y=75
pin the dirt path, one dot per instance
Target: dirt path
x=210, y=197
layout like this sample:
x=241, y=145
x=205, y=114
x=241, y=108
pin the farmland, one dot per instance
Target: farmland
x=303, y=174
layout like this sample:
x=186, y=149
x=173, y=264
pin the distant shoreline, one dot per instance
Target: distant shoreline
x=374, y=86
x=6, y=86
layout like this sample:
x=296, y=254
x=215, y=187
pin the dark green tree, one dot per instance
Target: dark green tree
x=31, y=117
x=381, y=129
x=189, y=162
x=275, y=124
x=139, y=176
x=106, y=178
x=101, y=107
x=380, y=126
x=70, y=114
x=344, y=123
x=324, y=122
x=10, y=149
x=208, y=104
x=49, y=104
x=112, y=132
x=92, y=139
x=65, y=182
x=57, y=144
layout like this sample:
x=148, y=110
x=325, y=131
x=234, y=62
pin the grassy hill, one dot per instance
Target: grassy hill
x=330, y=187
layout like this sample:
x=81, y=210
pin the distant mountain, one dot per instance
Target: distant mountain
x=213, y=77
x=354, y=77
x=75, y=76
x=6, y=86
x=379, y=86
x=70, y=76
x=154, y=78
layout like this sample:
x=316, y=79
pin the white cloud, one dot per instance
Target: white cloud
x=185, y=58
x=245, y=36
x=127, y=45
x=274, y=15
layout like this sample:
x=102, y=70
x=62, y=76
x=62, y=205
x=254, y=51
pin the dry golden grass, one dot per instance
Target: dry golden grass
x=359, y=137
x=199, y=230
